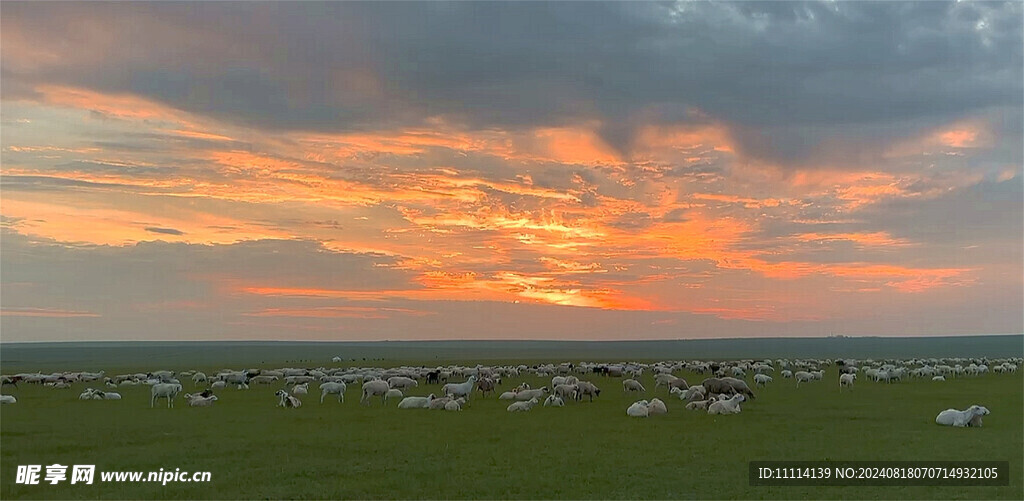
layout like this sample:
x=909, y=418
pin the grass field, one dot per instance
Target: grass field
x=258, y=451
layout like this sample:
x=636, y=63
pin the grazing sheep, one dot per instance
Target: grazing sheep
x=485, y=385
x=846, y=380
x=416, y=402
x=566, y=390
x=762, y=380
x=632, y=385
x=939, y=378
x=589, y=389
x=164, y=390
x=727, y=385
x=970, y=417
x=508, y=395
x=656, y=407
x=522, y=406
x=372, y=389
x=287, y=401
x=803, y=377
x=554, y=401
x=8, y=399
x=402, y=382
x=787, y=374
x=728, y=406
x=333, y=387
x=217, y=385
x=638, y=409
x=264, y=379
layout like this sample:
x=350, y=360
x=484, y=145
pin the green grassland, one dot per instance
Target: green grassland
x=256, y=450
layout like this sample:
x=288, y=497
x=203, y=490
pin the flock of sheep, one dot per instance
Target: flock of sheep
x=721, y=393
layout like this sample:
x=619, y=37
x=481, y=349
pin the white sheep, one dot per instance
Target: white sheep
x=656, y=407
x=8, y=399
x=728, y=406
x=464, y=389
x=508, y=395
x=632, y=385
x=803, y=377
x=787, y=374
x=846, y=380
x=333, y=387
x=300, y=389
x=287, y=401
x=164, y=390
x=968, y=417
x=522, y=406
x=199, y=400
x=372, y=389
x=393, y=393
x=402, y=382
x=638, y=409
x=699, y=405
x=762, y=380
x=217, y=385
x=939, y=378
x=455, y=404
x=528, y=394
x=554, y=401
x=416, y=402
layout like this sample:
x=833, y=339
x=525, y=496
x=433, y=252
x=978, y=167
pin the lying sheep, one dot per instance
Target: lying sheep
x=199, y=400
x=554, y=401
x=392, y=393
x=416, y=402
x=638, y=409
x=939, y=378
x=632, y=385
x=656, y=407
x=454, y=405
x=530, y=394
x=699, y=405
x=438, y=404
x=287, y=401
x=522, y=406
x=8, y=399
x=970, y=417
x=300, y=389
x=508, y=395
x=728, y=406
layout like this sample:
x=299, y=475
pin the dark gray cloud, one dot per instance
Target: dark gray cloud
x=797, y=82
x=164, y=231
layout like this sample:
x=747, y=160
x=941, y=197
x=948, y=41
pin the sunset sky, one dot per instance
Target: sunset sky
x=352, y=171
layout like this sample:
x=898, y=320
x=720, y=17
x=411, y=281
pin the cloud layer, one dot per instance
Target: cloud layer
x=445, y=170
